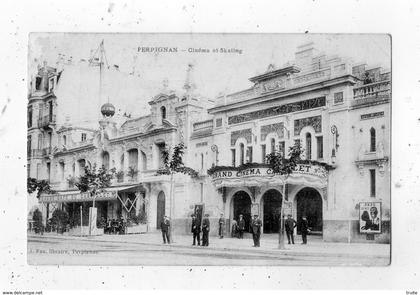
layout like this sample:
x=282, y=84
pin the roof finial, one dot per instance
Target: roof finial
x=189, y=84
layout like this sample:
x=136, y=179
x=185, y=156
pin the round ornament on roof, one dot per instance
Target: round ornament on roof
x=108, y=110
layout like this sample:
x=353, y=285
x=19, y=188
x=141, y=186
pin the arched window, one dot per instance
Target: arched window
x=372, y=139
x=308, y=146
x=82, y=164
x=64, y=140
x=241, y=153
x=105, y=160
x=163, y=112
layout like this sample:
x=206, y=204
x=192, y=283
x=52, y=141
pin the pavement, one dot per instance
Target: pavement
x=269, y=244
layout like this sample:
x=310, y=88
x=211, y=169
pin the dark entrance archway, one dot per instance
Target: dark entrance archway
x=160, y=208
x=272, y=211
x=309, y=204
x=242, y=205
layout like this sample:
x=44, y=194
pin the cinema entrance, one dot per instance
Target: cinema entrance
x=271, y=204
x=309, y=204
x=241, y=203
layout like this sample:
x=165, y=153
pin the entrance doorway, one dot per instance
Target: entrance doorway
x=242, y=205
x=272, y=211
x=309, y=204
x=160, y=208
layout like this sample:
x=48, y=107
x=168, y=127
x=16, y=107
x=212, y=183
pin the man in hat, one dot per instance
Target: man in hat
x=206, y=230
x=304, y=229
x=195, y=229
x=164, y=226
x=241, y=226
x=290, y=225
x=256, y=230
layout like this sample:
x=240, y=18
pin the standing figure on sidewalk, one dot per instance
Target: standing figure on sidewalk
x=304, y=229
x=256, y=230
x=221, y=226
x=165, y=226
x=290, y=227
x=195, y=229
x=206, y=230
x=241, y=226
x=234, y=230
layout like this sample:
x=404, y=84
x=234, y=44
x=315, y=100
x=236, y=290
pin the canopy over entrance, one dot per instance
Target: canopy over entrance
x=108, y=194
x=314, y=175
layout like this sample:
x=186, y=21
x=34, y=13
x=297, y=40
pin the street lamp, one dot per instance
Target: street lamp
x=215, y=149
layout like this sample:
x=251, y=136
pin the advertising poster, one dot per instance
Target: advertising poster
x=370, y=217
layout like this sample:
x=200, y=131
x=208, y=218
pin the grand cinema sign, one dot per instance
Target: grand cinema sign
x=262, y=171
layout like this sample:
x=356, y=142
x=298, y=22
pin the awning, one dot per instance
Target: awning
x=108, y=194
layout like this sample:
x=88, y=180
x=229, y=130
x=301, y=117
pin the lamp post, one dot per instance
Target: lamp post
x=81, y=220
x=281, y=230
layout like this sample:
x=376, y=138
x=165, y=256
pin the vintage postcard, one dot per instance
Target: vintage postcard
x=209, y=149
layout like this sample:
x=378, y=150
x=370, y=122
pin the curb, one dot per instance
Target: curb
x=286, y=252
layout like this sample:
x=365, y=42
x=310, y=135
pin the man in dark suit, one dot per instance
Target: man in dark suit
x=304, y=229
x=195, y=229
x=290, y=225
x=241, y=226
x=164, y=226
x=206, y=230
x=256, y=230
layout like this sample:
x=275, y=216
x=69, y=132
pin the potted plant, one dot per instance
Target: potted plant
x=120, y=176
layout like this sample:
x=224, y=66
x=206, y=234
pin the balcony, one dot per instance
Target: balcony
x=46, y=121
x=373, y=93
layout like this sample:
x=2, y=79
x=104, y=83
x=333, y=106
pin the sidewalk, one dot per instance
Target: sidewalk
x=269, y=243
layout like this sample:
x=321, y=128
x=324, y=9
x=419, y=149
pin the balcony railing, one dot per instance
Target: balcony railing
x=46, y=121
x=380, y=89
x=373, y=93
x=208, y=124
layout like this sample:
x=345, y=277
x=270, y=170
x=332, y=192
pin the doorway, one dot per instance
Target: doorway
x=272, y=211
x=241, y=203
x=309, y=204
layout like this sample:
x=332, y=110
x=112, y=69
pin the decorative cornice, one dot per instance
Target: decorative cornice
x=262, y=98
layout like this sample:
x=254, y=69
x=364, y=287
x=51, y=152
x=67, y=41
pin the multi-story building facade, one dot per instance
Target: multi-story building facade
x=338, y=111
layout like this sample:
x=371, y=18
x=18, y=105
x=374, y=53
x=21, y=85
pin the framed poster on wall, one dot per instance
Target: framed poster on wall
x=370, y=217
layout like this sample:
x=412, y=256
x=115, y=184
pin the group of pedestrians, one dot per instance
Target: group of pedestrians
x=256, y=224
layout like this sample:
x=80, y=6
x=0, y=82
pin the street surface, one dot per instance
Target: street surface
x=147, y=249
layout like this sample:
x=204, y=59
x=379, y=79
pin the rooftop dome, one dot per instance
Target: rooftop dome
x=108, y=110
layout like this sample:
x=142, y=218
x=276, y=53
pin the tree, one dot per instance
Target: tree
x=39, y=186
x=94, y=181
x=37, y=218
x=284, y=166
x=60, y=218
x=174, y=164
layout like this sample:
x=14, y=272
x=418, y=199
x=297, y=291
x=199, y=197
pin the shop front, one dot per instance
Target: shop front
x=257, y=190
x=112, y=210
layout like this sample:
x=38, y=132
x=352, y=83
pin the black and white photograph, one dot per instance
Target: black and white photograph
x=134, y=138
x=238, y=146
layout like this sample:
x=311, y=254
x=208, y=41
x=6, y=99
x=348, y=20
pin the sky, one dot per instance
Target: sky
x=214, y=72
